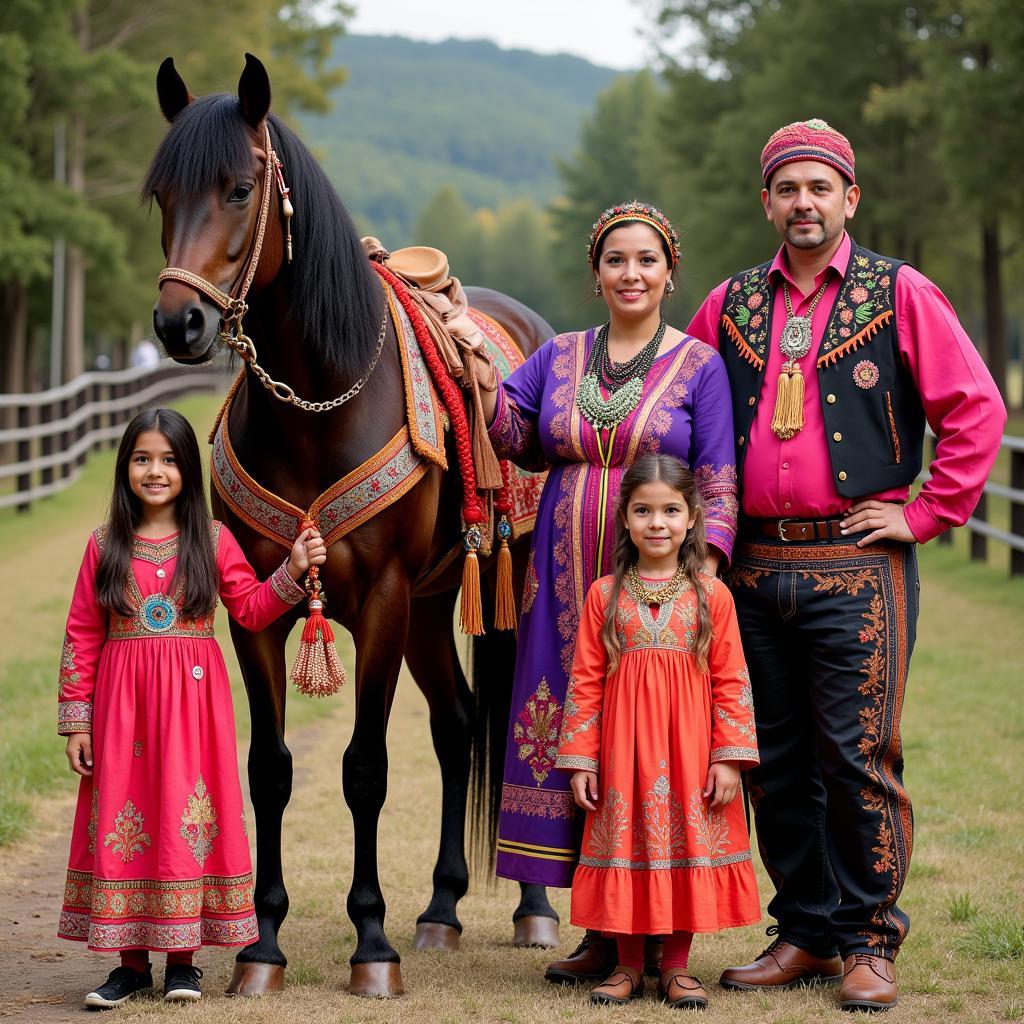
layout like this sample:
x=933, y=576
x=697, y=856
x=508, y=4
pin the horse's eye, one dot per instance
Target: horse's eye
x=240, y=194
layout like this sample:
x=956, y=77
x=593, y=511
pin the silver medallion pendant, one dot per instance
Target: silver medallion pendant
x=795, y=342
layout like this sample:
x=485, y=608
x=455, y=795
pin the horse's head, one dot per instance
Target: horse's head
x=208, y=178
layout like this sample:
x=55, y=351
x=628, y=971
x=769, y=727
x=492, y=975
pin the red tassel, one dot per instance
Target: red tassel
x=317, y=671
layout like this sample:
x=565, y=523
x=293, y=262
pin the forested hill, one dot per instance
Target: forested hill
x=414, y=116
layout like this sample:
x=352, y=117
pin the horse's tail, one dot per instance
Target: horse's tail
x=493, y=658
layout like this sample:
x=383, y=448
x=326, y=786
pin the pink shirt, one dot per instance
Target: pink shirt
x=961, y=402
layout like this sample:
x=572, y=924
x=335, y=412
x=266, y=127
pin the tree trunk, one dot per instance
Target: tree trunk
x=74, y=287
x=13, y=350
x=995, y=323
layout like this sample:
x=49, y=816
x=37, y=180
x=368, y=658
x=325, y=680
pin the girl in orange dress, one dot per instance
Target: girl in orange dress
x=658, y=725
x=159, y=854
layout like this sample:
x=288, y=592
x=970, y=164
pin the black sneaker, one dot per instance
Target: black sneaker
x=181, y=983
x=123, y=983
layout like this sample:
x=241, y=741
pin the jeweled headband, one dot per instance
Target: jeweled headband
x=631, y=213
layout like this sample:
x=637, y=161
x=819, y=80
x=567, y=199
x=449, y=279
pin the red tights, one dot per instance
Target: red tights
x=138, y=959
x=675, y=957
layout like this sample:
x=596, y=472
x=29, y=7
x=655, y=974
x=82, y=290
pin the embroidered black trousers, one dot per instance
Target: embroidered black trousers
x=828, y=629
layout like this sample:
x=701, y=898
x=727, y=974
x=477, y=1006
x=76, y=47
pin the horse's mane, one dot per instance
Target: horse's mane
x=336, y=297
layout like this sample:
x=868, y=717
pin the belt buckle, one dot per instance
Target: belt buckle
x=781, y=528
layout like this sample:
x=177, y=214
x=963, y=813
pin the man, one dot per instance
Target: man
x=837, y=356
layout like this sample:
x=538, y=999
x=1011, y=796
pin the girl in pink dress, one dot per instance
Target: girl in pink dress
x=159, y=852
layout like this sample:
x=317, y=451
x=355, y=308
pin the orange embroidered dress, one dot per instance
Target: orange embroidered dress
x=159, y=853
x=654, y=859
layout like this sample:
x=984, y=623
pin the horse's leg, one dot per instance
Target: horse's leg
x=260, y=967
x=433, y=660
x=380, y=636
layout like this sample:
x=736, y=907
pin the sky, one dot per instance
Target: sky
x=606, y=32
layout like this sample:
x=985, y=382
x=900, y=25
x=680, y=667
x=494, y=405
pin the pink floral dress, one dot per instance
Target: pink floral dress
x=159, y=851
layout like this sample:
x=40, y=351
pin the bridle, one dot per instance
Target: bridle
x=233, y=306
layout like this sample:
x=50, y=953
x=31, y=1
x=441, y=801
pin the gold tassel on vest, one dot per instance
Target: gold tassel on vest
x=317, y=671
x=788, y=419
x=505, y=601
x=471, y=615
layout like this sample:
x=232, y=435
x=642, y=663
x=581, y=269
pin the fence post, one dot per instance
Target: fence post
x=46, y=442
x=24, y=453
x=96, y=420
x=1017, y=511
x=946, y=537
x=979, y=542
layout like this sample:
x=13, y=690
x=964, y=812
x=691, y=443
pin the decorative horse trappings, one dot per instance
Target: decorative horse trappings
x=337, y=417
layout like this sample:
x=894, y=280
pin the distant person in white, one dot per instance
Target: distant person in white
x=145, y=355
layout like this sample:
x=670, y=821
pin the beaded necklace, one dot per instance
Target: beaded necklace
x=623, y=381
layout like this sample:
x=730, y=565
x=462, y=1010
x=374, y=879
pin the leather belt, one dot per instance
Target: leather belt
x=799, y=529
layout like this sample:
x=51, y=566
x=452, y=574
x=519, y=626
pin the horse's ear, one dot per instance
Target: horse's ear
x=171, y=90
x=254, y=91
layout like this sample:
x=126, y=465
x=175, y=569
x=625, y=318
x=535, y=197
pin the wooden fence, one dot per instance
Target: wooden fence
x=978, y=527
x=47, y=436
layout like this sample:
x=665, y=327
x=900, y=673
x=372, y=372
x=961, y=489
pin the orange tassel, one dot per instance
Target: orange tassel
x=471, y=615
x=317, y=671
x=505, y=601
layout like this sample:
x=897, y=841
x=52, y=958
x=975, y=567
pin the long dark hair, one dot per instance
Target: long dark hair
x=335, y=296
x=692, y=555
x=197, y=564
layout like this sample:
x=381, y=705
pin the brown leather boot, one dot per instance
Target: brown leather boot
x=869, y=983
x=783, y=965
x=592, y=960
x=654, y=946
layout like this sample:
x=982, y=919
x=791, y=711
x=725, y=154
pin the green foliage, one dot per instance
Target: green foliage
x=995, y=938
x=961, y=907
x=416, y=117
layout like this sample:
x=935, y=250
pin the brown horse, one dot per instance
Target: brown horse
x=315, y=323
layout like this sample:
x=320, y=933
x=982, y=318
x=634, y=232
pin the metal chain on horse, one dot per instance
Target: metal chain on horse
x=234, y=308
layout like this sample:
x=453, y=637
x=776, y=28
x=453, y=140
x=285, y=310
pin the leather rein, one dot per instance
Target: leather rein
x=233, y=306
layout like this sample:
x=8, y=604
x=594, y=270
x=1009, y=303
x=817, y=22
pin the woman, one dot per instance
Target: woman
x=587, y=405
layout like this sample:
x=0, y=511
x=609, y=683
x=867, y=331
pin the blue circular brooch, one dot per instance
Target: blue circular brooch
x=158, y=613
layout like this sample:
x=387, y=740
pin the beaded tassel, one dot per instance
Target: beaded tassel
x=471, y=613
x=317, y=670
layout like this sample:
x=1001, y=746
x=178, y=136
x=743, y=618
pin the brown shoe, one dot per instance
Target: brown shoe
x=654, y=946
x=869, y=983
x=624, y=984
x=592, y=960
x=783, y=965
x=682, y=991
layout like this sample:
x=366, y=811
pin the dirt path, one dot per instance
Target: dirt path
x=43, y=978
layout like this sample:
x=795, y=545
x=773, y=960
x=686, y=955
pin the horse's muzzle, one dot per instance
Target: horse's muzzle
x=187, y=331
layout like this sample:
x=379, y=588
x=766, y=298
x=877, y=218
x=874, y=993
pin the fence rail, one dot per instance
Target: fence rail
x=979, y=530
x=46, y=436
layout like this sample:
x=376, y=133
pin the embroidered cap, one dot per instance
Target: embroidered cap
x=807, y=140
x=632, y=213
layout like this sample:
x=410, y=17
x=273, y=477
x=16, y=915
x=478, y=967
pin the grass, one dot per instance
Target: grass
x=1000, y=937
x=39, y=554
x=961, y=907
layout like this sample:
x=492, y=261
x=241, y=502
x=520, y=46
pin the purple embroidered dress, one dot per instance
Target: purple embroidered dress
x=685, y=411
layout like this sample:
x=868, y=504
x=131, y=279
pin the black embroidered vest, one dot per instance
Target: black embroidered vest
x=873, y=416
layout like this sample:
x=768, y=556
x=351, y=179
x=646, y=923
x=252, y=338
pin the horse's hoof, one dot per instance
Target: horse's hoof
x=534, y=930
x=432, y=935
x=376, y=981
x=254, y=979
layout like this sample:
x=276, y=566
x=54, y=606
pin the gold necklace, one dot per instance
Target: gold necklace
x=669, y=591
